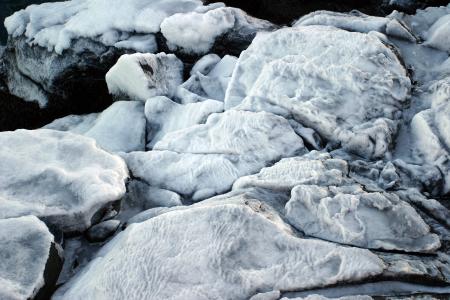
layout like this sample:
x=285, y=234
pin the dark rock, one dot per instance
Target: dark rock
x=102, y=231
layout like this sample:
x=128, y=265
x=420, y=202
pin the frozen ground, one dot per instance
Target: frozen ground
x=235, y=160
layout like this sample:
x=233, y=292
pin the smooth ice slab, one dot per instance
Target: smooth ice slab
x=214, y=252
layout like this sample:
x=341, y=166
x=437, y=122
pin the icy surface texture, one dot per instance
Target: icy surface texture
x=24, y=250
x=141, y=76
x=231, y=252
x=56, y=25
x=348, y=86
x=204, y=160
x=63, y=178
x=165, y=116
x=119, y=128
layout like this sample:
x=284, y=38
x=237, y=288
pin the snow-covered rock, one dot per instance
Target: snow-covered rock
x=350, y=87
x=359, y=22
x=320, y=297
x=142, y=76
x=62, y=178
x=431, y=130
x=28, y=255
x=230, y=252
x=197, y=32
x=205, y=159
x=120, y=128
x=165, y=116
x=56, y=26
x=209, y=80
x=352, y=216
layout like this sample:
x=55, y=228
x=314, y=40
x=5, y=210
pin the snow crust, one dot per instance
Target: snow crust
x=205, y=159
x=24, y=250
x=196, y=32
x=348, y=86
x=141, y=76
x=165, y=116
x=231, y=252
x=60, y=177
x=119, y=128
x=55, y=25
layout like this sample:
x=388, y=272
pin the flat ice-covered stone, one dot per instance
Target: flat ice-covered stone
x=350, y=87
x=205, y=159
x=62, y=178
x=313, y=168
x=359, y=22
x=120, y=128
x=25, y=245
x=209, y=80
x=231, y=252
x=196, y=32
x=141, y=76
x=56, y=25
x=349, y=215
x=164, y=116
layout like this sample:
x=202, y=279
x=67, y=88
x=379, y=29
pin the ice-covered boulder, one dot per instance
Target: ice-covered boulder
x=430, y=131
x=320, y=297
x=198, y=32
x=120, y=128
x=30, y=262
x=165, y=116
x=209, y=80
x=359, y=22
x=349, y=215
x=142, y=76
x=205, y=159
x=62, y=178
x=350, y=87
x=231, y=252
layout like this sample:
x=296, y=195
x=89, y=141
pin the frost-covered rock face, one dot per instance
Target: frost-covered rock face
x=209, y=79
x=204, y=160
x=197, y=33
x=62, y=178
x=349, y=87
x=352, y=216
x=431, y=130
x=142, y=76
x=231, y=252
x=27, y=253
x=165, y=116
x=120, y=128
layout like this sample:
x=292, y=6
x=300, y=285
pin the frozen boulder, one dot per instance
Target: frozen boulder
x=62, y=178
x=120, y=128
x=320, y=297
x=165, y=116
x=142, y=76
x=349, y=87
x=207, y=81
x=198, y=32
x=205, y=159
x=231, y=252
x=359, y=22
x=430, y=131
x=30, y=261
x=349, y=215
